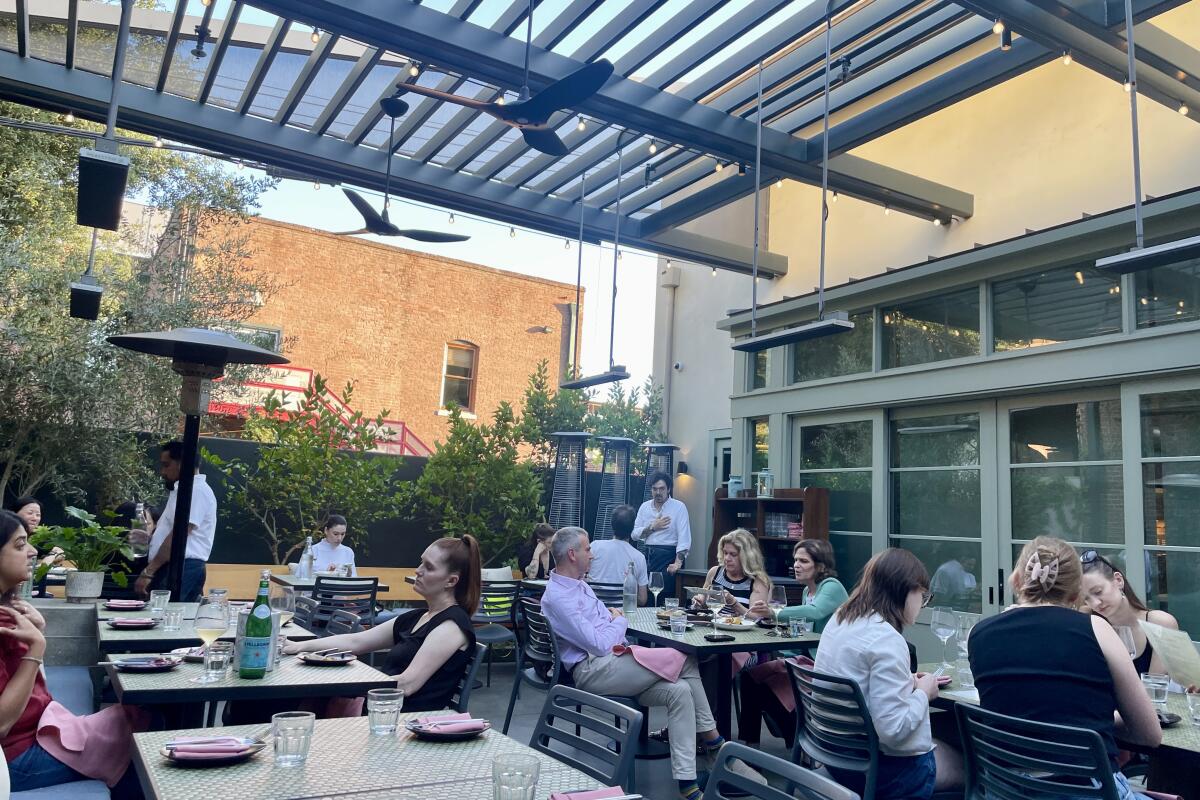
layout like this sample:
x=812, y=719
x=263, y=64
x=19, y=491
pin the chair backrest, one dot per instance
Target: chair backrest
x=584, y=727
x=343, y=621
x=611, y=594
x=462, y=692
x=1006, y=758
x=306, y=608
x=723, y=783
x=356, y=595
x=497, y=602
x=538, y=645
x=838, y=730
x=496, y=574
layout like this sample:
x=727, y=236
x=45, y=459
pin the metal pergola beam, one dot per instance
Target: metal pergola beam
x=308, y=73
x=164, y=69
x=247, y=137
x=350, y=84
x=266, y=58
x=218, y=54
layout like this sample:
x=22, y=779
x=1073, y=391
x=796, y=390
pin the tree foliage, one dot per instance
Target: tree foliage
x=548, y=409
x=313, y=463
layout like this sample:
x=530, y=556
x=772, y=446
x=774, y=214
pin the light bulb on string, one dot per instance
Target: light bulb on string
x=1067, y=59
x=315, y=35
x=566, y=244
x=718, y=167
x=206, y=3
x=581, y=126
x=69, y=117
x=316, y=186
x=714, y=272
x=241, y=166
x=937, y=223
x=779, y=183
x=998, y=28
x=158, y=142
x=653, y=147
x=500, y=100
x=1183, y=109
x=1128, y=87
x=512, y=233
x=834, y=198
x=413, y=69
x=887, y=211
x=451, y=218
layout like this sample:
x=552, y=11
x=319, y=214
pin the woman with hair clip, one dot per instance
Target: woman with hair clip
x=1107, y=593
x=430, y=647
x=741, y=574
x=1044, y=661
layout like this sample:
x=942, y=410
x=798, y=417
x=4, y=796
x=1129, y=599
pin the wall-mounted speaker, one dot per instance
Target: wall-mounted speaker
x=85, y=298
x=102, y=178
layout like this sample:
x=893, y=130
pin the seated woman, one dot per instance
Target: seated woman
x=865, y=642
x=1107, y=593
x=29, y=510
x=740, y=574
x=430, y=647
x=533, y=557
x=765, y=689
x=44, y=742
x=330, y=553
x=1043, y=660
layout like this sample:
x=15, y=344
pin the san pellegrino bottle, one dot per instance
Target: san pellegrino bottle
x=256, y=645
x=629, y=593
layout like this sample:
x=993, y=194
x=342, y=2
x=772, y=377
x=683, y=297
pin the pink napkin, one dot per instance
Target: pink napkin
x=594, y=794
x=665, y=662
x=196, y=752
x=126, y=604
x=132, y=621
x=462, y=727
x=208, y=746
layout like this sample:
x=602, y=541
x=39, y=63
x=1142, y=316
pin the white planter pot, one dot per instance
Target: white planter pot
x=84, y=586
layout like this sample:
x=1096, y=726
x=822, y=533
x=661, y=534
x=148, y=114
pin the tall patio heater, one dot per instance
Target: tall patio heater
x=614, y=483
x=660, y=457
x=570, y=476
x=198, y=355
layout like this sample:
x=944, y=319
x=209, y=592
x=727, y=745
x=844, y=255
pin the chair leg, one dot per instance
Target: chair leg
x=515, y=693
x=489, y=672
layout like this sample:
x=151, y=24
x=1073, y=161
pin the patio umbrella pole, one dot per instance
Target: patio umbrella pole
x=183, y=501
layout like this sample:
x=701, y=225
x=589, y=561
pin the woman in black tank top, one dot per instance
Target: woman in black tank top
x=1107, y=593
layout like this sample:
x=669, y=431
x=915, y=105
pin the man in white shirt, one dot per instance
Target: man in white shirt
x=611, y=557
x=202, y=528
x=662, y=523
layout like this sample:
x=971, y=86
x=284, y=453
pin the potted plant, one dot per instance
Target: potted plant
x=90, y=546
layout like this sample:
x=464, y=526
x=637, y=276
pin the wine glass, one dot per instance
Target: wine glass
x=944, y=625
x=656, y=585
x=212, y=620
x=1126, y=635
x=776, y=602
x=283, y=600
x=714, y=598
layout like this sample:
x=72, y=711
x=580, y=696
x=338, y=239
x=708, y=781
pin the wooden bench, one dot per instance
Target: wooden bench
x=242, y=580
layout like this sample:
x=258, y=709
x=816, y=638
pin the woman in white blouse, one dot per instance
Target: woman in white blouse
x=330, y=553
x=865, y=642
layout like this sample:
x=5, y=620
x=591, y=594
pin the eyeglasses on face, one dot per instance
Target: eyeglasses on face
x=926, y=596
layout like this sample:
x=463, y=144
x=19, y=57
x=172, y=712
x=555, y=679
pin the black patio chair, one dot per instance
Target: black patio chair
x=306, y=608
x=356, y=595
x=593, y=734
x=343, y=621
x=724, y=783
x=496, y=619
x=462, y=692
x=537, y=655
x=610, y=594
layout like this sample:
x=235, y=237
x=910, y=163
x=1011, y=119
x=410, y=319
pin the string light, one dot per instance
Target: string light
x=316, y=186
x=618, y=255
x=1183, y=109
x=1067, y=58
x=566, y=244
x=1006, y=40
x=653, y=147
x=779, y=183
x=718, y=167
x=998, y=28
x=240, y=165
x=714, y=272
x=887, y=211
x=500, y=100
x=413, y=69
x=206, y=3
x=1128, y=87
x=1079, y=277
x=452, y=218
x=315, y=35
x=937, y=223
x=835, y=197
x=158, y=142
x=512, y=233
x=581, y=126
x=69, y=118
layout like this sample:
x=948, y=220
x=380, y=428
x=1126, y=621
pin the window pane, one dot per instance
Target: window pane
x=849, y=498
x=845, y=444
x=1168, y=294
x=933, y=329
x=954, y=576
x=941, y=503
x=851, y=554
x=759, y=369
x=1174, y=581
x=458, y=391
x=1171, y=503
x=758, y=454
x=1080, y=504
x=830, y=356
x=1057, y=305
x=1074, y=432
x=947, y=441
x=461, y=358
x=1171, y=424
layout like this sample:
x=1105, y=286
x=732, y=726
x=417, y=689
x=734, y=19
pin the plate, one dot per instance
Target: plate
x=147, y=664
x=435, y=735
x=214, y=759
x=745, y=625
x=132, y=624
x=322, y=661
x=192, y=655
x=125, y=605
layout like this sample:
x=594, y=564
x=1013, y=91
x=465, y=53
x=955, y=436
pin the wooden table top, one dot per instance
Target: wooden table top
x=345, y=760
x=307, y=584
x=643, y=625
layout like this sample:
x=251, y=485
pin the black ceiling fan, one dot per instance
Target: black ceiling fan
x=379, y=224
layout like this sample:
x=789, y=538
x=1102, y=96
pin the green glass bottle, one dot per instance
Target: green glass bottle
x=256, y=644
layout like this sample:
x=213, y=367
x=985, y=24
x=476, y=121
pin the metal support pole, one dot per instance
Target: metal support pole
x=183, y=505
x=119, y=67
x=1138, y=227
x=612, y=325
x=92, y=253
x=825, y=162
x=757, y=188
x=578, y=281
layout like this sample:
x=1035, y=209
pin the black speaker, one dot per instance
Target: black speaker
x=102, y=178
x=85, y=298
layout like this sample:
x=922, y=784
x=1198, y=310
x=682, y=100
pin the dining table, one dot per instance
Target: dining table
x=643, y=628
x=346, y=761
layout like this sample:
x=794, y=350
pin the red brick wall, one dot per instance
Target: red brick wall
x=381, y=316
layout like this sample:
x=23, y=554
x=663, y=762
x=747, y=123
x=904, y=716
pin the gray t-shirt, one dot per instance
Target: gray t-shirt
x=611, y=557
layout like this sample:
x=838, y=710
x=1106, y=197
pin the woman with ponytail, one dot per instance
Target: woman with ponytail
x=430, y=647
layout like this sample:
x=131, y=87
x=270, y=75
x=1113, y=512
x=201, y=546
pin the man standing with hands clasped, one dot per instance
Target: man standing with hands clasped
x=662, y=523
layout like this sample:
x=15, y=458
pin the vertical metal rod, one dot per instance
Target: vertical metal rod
x=118, y=67
x=825, y=162
x=91, y=254
x=578, y=280
x=757, y=187
x=612, y=325
x=1133, y=119
x=528, y=39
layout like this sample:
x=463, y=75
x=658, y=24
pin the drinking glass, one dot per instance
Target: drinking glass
x=217, y=658
x=283, y=600
x=1193, y=701
x=966, y=622
x=172, y=619
x=383, y=710
x=678, y=623
x=776, y=602
x=714, y=598
x=656, y=585
x=158, y=602
x=514, y=776
x=1156, y=687
x=944, y=625
x=962, y=673
x=1126, y=635
x=670, y=602
x=212, y=620
x=293, y=736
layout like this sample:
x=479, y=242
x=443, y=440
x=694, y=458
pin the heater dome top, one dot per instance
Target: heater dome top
x=197, y=345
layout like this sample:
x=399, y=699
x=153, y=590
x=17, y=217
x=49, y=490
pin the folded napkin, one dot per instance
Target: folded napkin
x=665, y=662
x=461, y=727
x=594, y=794
x=208, y=746
x=126, y=603
x=132, y=621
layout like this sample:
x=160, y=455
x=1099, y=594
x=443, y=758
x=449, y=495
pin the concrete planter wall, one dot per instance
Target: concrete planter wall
x=84, y=586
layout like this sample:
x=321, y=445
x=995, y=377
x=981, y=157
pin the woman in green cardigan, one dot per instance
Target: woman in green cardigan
x=765, y=690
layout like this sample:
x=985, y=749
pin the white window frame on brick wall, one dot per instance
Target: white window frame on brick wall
x=460, y=344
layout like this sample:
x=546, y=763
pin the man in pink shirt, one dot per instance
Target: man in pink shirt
x=586, y=632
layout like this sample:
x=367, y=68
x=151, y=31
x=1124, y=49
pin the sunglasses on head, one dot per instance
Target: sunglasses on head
x=1091, y=556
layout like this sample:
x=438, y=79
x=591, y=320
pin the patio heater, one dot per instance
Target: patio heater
x=614, y=482
x=198, y=355
x=570, y=478
x=660, y=457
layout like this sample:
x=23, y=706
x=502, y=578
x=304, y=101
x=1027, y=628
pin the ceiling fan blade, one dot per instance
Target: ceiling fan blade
x=544, y=140
x=374, y=223
x=432, y=236
x=566, y=93
x=358, y=232
x=425, y=91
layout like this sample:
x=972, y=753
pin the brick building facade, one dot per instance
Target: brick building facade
x=408, y=327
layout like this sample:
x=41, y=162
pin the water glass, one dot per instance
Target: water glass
x=1193, y=701
x=671, y=602
x=678, y=624
x=293, y=736
x=797, y=627
x=514, y=776
x=172, y=619
x=383, y=710
x=217, y=658
x=1156, y=687
x=962, y=673
x=158, y=602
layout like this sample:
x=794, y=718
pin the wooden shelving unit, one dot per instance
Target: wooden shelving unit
x=811, y=506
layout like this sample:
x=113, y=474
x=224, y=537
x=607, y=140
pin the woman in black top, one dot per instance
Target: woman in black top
x=1107, y=593
x=534, y=557
x=430, y=647
x=1043, y=660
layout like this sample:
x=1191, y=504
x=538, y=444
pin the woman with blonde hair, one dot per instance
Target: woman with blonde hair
x=741, y=573
x=1043, y=660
